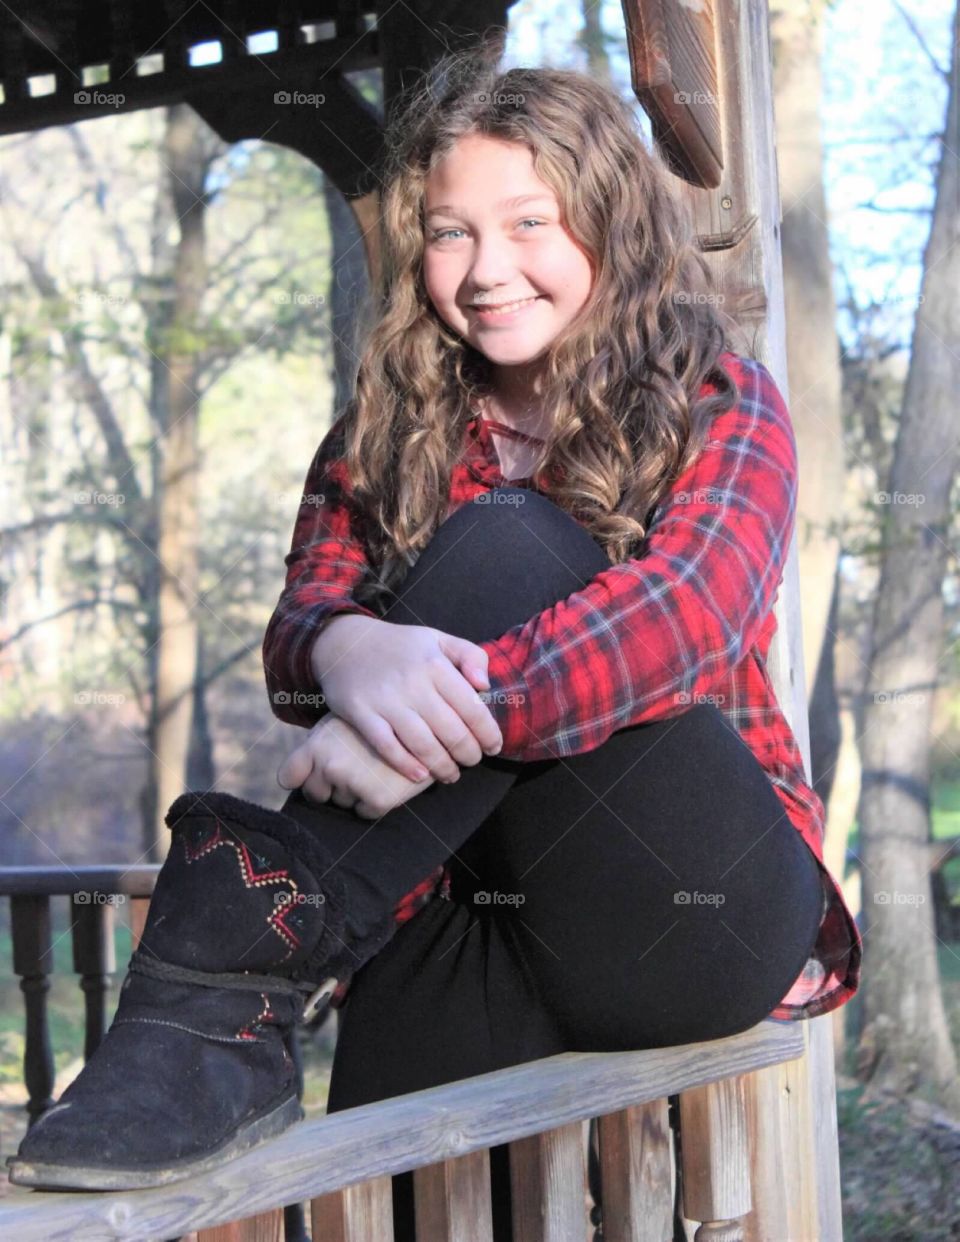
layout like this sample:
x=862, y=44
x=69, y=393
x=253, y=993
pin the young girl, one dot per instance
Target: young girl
x=547, y=800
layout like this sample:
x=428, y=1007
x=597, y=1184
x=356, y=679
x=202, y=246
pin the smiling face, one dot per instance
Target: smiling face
x=480, y=251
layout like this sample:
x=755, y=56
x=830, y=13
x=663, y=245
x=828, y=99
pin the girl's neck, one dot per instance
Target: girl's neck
x=525, y=416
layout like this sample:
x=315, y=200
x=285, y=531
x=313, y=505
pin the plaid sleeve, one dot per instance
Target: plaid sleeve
x=645, y=639
x=325, y=562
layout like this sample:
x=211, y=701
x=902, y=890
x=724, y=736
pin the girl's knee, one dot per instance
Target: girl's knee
x=521, y=525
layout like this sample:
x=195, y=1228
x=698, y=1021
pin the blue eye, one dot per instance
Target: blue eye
x=441, y=235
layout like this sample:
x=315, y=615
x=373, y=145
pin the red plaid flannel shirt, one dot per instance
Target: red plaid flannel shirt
x=688, y=620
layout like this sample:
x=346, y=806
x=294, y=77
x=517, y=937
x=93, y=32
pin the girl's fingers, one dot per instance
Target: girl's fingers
x=295, y=769
x=381, y=737
x=315, y=789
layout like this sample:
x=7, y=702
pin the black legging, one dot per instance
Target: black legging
x=647, y=893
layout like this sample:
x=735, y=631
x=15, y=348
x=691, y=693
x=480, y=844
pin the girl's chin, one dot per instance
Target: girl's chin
x=510, y=346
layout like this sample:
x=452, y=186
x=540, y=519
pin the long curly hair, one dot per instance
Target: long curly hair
x=620, y=383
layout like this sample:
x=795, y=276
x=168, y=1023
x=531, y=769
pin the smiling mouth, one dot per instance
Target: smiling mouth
x=494, y=309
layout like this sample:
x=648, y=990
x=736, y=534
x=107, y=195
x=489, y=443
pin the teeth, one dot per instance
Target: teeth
x=506, y=308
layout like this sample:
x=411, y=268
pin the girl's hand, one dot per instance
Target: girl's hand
x=410, y=691
x=335, y=764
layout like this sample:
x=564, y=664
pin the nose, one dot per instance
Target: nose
x=492, y=264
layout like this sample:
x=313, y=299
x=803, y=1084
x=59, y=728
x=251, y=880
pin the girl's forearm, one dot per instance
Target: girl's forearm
x=335, y=638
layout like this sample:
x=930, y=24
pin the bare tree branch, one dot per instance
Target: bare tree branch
x=918, y=35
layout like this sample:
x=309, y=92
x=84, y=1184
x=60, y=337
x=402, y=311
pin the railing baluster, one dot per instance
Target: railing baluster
x=33, y=962
x=637, y=1174
x=362, y=1212
x=94, y=960
x=548, y=1185
x=266, y=1227
x=139, y=909
x=716, y=1160
x=452, y=1199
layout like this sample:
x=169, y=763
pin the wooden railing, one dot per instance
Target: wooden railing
x=589, y=1134
x=94, y=894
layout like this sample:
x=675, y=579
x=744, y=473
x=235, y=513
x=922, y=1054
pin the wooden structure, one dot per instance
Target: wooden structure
x=757, y=1122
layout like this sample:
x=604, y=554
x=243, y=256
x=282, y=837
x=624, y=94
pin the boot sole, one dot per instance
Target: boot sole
x=80, y=1177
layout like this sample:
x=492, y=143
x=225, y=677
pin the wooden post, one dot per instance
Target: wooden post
x=548, y=1186
x=452, y=1199
x=790, y=1108
x=637, y=1175
x=362, y=1212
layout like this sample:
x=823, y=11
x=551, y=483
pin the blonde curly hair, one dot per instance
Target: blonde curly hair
x=620, y=386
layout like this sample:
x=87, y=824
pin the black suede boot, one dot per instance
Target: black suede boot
x=244, y=937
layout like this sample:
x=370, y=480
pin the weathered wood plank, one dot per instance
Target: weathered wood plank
x=393, y=1135
x=637, y=1173
x=452, y=1200
x=548, y=1186
x=362, y=1212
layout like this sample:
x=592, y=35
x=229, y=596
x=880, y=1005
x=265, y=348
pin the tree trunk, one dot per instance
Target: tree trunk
x=813, y=368
x=183, y=154
x=905, y=1043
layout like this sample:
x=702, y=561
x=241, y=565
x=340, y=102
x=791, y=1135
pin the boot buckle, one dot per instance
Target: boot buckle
x=312, y=1003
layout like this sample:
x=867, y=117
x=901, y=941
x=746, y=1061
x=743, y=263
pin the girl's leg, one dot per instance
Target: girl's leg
x=489, y=567
x=654, y=888
x=647, y=893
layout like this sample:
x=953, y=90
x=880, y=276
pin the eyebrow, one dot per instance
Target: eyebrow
x=446, y=210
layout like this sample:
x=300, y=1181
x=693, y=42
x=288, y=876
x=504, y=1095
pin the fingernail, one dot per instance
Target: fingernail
x=420, y=774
